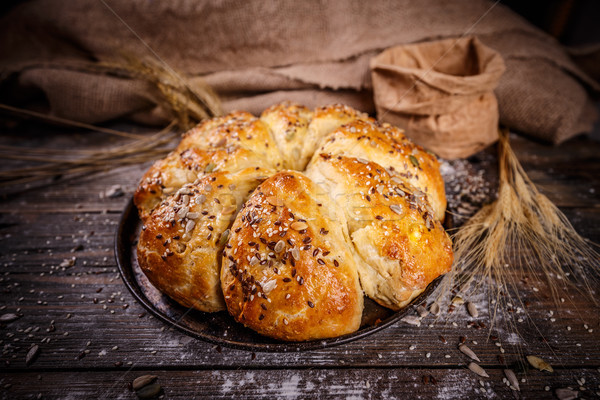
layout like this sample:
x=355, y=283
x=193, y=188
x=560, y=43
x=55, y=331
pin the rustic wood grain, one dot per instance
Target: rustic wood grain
x=94, y=338
x=346, y=383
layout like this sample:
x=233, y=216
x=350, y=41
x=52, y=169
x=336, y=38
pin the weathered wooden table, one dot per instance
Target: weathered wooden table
x=94, y=339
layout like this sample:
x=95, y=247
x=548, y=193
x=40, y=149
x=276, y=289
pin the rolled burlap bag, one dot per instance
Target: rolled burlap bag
x=441, y=93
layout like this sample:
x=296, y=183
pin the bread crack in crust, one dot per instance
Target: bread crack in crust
x=229, y=222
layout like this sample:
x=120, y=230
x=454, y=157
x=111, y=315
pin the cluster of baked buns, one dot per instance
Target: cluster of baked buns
x=288, y=220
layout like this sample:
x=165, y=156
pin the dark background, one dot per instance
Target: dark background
x=572, y=22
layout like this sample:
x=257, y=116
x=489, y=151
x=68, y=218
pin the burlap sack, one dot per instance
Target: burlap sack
x=254, y=53
x=441, y=92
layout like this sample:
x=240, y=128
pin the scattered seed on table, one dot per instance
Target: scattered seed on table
x=9, y=317
x=142, y=381
x=478, y=370
x=512, y=379
x=411, y=320
x=467, y=351
x=422, y=311
x=540, y=364
x=149, y=391
x=32, y=354
x=566, y=394
x=472, y=309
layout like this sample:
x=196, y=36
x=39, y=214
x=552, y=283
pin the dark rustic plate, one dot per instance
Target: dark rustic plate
x=220, y=328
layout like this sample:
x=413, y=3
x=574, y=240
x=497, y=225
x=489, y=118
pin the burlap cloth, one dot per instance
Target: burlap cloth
x=255, y=53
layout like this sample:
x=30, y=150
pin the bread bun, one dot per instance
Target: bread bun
x=400, y=246
x=288, y=269
x=294, y=262
x=181, y=241
x=231, y=143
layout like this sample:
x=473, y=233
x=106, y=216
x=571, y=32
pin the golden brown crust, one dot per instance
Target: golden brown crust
x=230, y=143
x=400, y=245
x=289, y=124
x=389, y=147
x=324, y=121
x=288, y=271
x=179, y=247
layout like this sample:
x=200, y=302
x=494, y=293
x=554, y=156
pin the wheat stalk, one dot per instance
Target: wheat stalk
x=520, y=234
x=186, y=104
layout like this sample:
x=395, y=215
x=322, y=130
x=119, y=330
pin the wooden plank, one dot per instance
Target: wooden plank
x=64, y=308
x=90, y=304
x=396, y=382
x=34, y=244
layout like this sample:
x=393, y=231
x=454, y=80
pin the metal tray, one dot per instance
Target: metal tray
x=220, y=328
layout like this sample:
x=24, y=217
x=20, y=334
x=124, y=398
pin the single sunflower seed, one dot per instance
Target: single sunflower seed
x=472, y=309
x=422, y=311
x=142, y=381
x=32, y=354
x=466, y=350
x=540, y=364
x=566, y=394
x=200, y=199
x=411, y=320
x=299, y=226
x=224, y=237
x=458, y=301
x=9, y=317
x=209, y=167
x=279, y=246
x=295, y=253
x=397, y=209
x=512, y=378
x=478, y=370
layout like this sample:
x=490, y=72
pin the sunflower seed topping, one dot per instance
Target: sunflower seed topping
x=182, y=212
x=190, y=225
x=279, y=246
x=200, y=199
x=295, y=253
x=397, y=208
x=299, y=226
